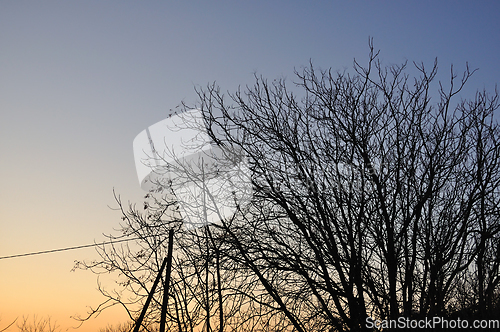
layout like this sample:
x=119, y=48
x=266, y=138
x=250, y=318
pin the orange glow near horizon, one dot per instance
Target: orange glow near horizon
x=44, y=286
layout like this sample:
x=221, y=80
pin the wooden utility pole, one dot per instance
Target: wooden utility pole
x=167, y=281
x=168, y=262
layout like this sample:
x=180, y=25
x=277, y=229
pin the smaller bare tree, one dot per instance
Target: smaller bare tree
x=38, y=325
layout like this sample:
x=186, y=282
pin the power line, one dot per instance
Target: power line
x=67, y=248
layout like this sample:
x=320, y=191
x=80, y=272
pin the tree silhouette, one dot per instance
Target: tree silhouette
x=370, y=199
x=37, y=325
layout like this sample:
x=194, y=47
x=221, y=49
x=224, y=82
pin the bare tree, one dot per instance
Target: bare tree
x=37, y=325
x=369, y=200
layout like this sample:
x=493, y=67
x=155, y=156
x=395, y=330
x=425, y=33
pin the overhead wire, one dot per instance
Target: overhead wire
x=67, y=248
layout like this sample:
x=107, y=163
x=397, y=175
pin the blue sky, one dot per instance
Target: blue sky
x=80, y=79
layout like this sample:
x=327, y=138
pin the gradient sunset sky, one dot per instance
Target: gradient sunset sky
x=80, y=79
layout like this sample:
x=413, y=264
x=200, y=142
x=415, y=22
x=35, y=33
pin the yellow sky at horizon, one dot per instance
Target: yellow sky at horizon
x=45, y=286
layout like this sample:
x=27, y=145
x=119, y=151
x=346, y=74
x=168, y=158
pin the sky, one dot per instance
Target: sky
x=80, y=79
